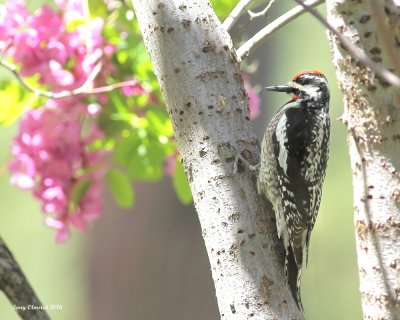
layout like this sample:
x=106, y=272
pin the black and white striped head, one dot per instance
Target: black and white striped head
x=310, y=87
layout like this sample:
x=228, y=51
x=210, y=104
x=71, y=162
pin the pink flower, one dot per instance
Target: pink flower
x=93, y=109
x=42, y=45
x=53, y=152
x=170, y=163
x=57, y=52
x=89, y=208
x=12, y=16
x=57, y=75
x=24, y=172
x=73, y=9
x=62, y=233
x=47, y=22
x=109, y=49
x=50, y=155
x=133, y=89
x=254, y=99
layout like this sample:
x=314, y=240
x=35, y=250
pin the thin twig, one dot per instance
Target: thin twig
x=92, y=76
x=5, y=49
x=235, y=14
x=385, y=34
x=254, y=15
x=113, y=86
x=17, y=288
x=82, y=90
x=353, y=50
x=14, y=71
x=274, y=26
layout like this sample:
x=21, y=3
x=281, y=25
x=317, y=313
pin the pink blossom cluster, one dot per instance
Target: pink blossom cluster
x=51, y=153
x=50, y=158
x=42, y=44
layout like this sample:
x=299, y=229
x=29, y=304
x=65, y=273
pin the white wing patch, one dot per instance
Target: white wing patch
x=281, y=138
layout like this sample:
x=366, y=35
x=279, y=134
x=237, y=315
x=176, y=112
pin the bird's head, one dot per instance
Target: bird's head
x=308, y=86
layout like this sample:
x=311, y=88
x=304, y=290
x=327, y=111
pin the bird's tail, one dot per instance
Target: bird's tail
x=293, y=275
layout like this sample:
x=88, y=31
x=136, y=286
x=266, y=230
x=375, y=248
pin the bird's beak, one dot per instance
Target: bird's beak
x=280, y=88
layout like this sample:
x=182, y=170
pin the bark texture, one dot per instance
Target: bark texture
x=199, y=76
x=372, y=115
x=17, y=288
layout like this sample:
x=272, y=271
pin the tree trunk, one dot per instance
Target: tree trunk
x=200, y=78
x=17, y=289
x=372, y=110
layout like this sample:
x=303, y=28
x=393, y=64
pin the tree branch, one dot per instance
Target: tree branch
x=254, y=15
x=235, y=14
x=377, y=11
x=274, y=26
x=82, y=90
x=353, y=50
x=17, y=288
x=240, y=8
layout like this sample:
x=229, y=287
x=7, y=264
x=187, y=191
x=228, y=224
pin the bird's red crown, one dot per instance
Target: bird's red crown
x=316, y=72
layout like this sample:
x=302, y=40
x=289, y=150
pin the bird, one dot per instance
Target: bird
x=294, y=156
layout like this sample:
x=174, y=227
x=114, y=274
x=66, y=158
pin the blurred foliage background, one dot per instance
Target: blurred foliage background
x=60, y=274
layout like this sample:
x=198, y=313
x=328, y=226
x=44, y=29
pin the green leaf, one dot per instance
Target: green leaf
x=97, y=8
x=223, y=7
x=118, y=101
x=73, y=25
x=147, y=162
x=126, y=148
x=181, y=184
x=78, y=192
x=122, y=56
x=121, y=188
x=13, y=104
x=159, y=122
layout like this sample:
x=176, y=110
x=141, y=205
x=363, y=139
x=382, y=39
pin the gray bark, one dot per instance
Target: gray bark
x=17, y=288
x=372, y=111
x=200, y=79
